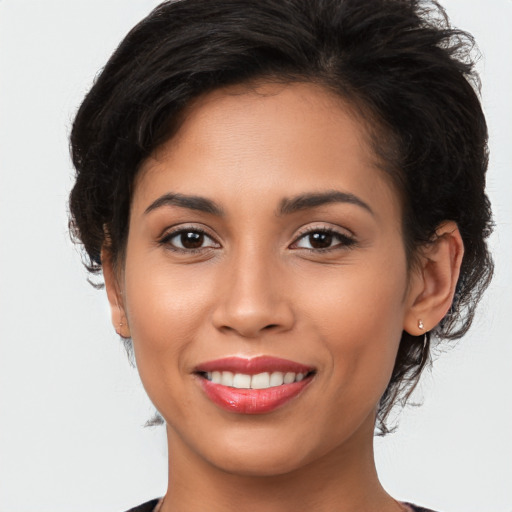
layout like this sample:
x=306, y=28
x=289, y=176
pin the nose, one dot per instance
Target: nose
x=254, y=299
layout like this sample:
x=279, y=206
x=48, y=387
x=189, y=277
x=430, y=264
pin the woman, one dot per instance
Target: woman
x=286, y=200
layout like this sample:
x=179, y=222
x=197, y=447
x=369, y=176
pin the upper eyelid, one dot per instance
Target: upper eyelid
x=169, y=234
x=172, y=231
x=326, y=228
x=350, y=239
x=179, y=228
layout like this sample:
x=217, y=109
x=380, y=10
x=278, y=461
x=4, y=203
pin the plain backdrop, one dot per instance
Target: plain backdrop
x=72, y=409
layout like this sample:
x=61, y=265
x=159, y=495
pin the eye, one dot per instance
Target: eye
x=188, y=239
x=322, y=239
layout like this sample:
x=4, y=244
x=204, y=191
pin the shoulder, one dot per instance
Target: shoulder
x=149, y=506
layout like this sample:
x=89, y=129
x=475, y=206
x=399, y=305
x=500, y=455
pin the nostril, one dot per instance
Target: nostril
x=270, y=326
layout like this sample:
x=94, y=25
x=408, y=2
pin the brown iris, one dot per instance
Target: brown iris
x=191, y=239
x=320, y=240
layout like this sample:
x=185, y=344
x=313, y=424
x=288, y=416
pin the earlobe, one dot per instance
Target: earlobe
x=433, y=282
x=115, y=295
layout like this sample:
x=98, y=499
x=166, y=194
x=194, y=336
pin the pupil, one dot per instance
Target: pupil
x=192, y=240
x=320, y=240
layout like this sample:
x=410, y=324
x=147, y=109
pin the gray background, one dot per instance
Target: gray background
x=71, y=408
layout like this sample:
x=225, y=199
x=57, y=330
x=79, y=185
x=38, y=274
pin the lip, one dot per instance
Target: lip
x=253, y=401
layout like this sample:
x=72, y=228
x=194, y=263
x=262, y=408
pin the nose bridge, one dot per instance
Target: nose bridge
x=254, y=298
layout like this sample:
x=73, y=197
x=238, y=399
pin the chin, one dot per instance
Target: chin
x=259, y=463
x=261, y=452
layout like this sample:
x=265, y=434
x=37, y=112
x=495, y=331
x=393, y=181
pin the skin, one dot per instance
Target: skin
x=257, y=286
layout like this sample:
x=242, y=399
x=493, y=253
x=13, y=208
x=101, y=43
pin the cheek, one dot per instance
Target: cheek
x=356, y=298
x=358, y=314
x=166, y=312
x=165, y=308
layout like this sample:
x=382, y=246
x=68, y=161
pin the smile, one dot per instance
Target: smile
x=259, y=381
x=253, y=386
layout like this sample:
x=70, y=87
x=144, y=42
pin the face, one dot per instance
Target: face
x=265, y=281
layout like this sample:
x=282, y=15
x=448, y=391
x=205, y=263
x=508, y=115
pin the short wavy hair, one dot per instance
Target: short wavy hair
x=409, y=74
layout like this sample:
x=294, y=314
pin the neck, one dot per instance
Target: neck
x=341, y=480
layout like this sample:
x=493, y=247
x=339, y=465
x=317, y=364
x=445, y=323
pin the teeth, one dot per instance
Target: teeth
x=259, y=381
x=227, y=379
x=276, y=379
x=289, y=377
x=241, y=381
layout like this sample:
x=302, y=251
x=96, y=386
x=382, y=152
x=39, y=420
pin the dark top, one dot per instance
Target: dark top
x=145, y=507
x=149, y=506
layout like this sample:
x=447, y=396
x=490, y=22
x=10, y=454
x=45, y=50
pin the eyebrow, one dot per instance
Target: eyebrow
x=315, y=199
x=288, y=205
x=198, y=203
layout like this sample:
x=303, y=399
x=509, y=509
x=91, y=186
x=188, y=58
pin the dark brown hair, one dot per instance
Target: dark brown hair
x=398, y=61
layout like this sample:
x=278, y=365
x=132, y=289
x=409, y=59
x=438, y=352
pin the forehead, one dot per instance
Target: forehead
x=269, y=140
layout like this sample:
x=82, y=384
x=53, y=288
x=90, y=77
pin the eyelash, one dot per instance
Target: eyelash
x=166, y=240
x=345, y=241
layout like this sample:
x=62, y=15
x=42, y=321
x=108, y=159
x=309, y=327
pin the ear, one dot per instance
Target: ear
x=433, y=282
x=114, y=294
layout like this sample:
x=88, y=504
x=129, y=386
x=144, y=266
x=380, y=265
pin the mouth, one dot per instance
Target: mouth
x=253, y=386
x=263, y=380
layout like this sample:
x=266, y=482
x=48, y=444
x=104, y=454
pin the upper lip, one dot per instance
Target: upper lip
x=253, y=365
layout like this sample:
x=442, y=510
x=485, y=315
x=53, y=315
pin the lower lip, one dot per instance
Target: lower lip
x=252, y=401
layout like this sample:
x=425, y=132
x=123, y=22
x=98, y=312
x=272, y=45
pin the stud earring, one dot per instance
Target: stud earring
x=420, y=324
